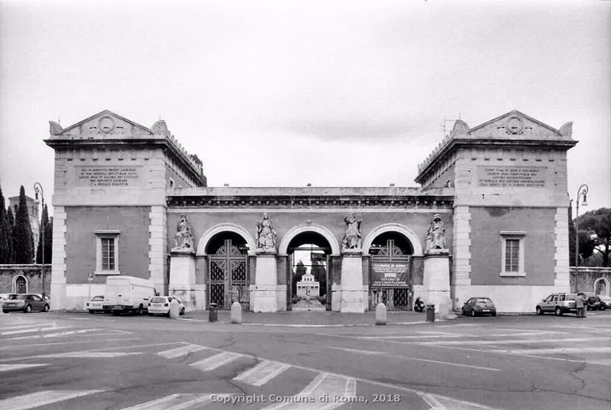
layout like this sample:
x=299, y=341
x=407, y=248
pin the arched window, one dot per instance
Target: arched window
x=602, y=287
x=20, y=285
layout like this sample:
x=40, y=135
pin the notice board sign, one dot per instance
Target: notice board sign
x=390, y=275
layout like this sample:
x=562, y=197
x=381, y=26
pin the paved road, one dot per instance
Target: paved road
x=82, y=361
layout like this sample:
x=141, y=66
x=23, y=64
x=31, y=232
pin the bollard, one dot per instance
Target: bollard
x=430, y=313
x=381, y=314
x=174, y=309
x=212, y=312
x=236, y=313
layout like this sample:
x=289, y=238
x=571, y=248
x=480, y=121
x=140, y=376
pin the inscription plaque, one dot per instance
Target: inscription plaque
x=511, y=176
x=109, y=176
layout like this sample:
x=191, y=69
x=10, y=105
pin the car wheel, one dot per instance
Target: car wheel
x=558, y=311
x=602, y=308
x=494, y=314
x=539, y=311
x=46, y=308
x=473, y=313
x=28, y=309
x=182, y=311
x=139, y=310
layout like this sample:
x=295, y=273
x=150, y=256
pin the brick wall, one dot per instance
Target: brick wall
x=584, y=278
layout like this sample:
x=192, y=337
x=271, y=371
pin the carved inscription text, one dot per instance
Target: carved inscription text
x=108, y=176
x=511, y=176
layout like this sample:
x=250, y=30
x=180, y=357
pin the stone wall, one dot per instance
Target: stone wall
x=32, y=274
x=584, y=279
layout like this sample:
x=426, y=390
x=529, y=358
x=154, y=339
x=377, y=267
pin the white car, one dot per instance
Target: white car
x=95, y=304
x=161, y=305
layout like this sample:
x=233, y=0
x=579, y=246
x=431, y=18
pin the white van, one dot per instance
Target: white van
x=127, y=294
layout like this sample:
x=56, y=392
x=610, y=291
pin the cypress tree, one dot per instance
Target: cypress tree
x=10, y=223
x=4, y=233
x=23, y=244
x=48, y=230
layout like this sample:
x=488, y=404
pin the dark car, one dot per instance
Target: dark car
x=592, y=301
x=25, y=302
x=478, y=306
x=605, y=301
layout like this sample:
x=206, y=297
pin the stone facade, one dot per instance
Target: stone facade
x=28, y=278
x=498, y=189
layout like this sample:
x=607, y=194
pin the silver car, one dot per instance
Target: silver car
x=558, y=303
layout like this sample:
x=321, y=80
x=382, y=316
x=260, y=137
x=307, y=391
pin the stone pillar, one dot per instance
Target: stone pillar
x=352, y=286
x=264, y=292
x=436, y=288
x=182, y=282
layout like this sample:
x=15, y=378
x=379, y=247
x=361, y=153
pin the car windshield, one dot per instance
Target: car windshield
x=484, y=301
x=98, y=298
x=605, y=298
x=158, y=300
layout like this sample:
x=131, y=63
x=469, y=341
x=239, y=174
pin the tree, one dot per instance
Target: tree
x=45, y=225
x=595, y=234
x=10, y=223
x=23, y=243
x=5, y=247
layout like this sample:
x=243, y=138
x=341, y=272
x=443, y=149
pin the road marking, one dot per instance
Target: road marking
x=528, y=341
x=21, y=325
x=559, y=350
x=13, y=347
x=414, y=358
x=38, y=399
x=61, y=334
x=262, y=373
x=33, y=330
x=440, y=402
x=325, y=392
x=11, y=367
x=88, y=354
x=216, y=361
x=178, y=352
x=178, y=402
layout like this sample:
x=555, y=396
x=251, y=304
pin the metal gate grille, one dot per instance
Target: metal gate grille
x=398, y=299
x=228, y=277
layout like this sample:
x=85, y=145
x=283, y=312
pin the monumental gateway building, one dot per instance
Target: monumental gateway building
x=489, y=218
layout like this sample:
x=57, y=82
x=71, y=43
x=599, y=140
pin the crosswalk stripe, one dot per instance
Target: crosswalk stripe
x=26, y=325
x=177, y=352
x=325, y=392
x=262, y=373
x=440, y=402
x=216, y=361
x=38, y=399
x=11, y=367
x=88, y=354
x=177, y=402
x=33, y=330
x=528, y=341
x=558, y=350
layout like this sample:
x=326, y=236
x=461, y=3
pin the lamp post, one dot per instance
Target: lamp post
x=38, y=188
x=581, y=192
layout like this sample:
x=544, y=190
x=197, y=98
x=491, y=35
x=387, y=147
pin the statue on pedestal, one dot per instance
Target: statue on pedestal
x=266, y=234
x=435, y=238
x=352, y=240
x=184, y=240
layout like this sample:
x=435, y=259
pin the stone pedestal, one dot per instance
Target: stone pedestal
x=264, y=294
x=436, y=289
x=352, y=288
x=182, y=282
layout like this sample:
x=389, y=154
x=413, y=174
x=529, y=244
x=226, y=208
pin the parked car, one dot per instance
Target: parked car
x=161, y=305
x=605, y=302
x=478, y=306
x=25, y=302
x=592, y=301
x=558, y=303
x=96, y=305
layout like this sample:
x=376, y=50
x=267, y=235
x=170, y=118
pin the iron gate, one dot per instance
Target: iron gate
x=228, y=277
x=394, y=298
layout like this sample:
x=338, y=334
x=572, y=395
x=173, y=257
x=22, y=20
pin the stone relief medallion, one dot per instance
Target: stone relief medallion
x=515, y=125
x=106, y=124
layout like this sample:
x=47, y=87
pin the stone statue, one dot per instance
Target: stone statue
x=352, y=240
x=266, y=235
x=184, y=240
x=435, y=238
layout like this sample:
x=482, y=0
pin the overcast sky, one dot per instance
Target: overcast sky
x=286, y=93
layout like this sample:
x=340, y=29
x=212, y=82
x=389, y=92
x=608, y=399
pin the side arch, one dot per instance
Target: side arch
x=16, y=285
x=219, y=228
x=398, y=228
x=316, y=228
x=606, y=283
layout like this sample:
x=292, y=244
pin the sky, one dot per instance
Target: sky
x=290, y=93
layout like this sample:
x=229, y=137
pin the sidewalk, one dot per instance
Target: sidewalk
x=312, y=318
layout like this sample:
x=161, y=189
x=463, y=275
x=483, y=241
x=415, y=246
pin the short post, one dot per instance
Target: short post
x=236, y=313
x=430, y=313
x=381, y=314
x=174, y=310
x=212, y=312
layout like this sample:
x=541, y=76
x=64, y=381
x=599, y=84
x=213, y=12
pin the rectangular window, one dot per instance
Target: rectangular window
x=512, y=253
x=107, y=250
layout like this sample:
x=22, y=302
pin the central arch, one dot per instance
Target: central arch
x=398, y=228
x=316, y=228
